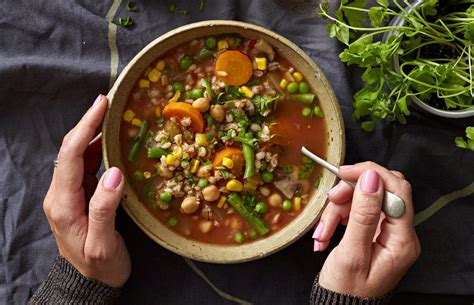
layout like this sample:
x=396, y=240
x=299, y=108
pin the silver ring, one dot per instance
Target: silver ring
x=55, y=163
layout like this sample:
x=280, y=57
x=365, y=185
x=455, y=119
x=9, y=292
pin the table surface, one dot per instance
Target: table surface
x=56, y=56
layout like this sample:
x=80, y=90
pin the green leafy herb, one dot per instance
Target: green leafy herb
x=126, y=22
x=306, y=168
x=435, y=56
x=467, y=143
x=225, y=174
x=265, y=104
x=233, y=91
x=132, y=7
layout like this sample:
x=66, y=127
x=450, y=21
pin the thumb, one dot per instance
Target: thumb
x=365, y=213
x=101, y=233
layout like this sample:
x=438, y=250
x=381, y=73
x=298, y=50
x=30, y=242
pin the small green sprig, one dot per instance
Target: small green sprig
x=467, y=143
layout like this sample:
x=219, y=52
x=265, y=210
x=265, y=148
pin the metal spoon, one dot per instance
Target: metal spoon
x=392, y=206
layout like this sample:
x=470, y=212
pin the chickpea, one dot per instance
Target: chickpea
x=217, y=113
x=205, y=226
x=210, y=193
x=201, y=104
x=275, y=200
x=165, y=172
x=189, y=205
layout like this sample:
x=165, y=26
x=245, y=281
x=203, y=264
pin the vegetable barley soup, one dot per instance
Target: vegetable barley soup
x=212, y=134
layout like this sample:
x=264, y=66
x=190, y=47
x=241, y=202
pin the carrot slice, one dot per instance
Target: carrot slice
x=233, y=68
x=225, y=153
x=181, y=110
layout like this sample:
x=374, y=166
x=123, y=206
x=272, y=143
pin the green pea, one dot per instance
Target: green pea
x=292, y=87
x=239, y=237
x=267, y=177
x=307, y=111
x=138, y=175
x=263, y=165
x=317, y=111
x=185, y=62
x=287, y=205
x=178, y=86
x=261, y=207
x=303, y=87
x=196, y=93
x=202, y=183
x=253, y=234
x=172, y=221
x=165, y=197
x=211, y=42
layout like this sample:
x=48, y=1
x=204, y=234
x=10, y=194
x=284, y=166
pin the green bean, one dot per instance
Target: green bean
x=156, y=152
x=139, y=141
x=306, y=98
x=249, y=157
x=238, y=204
x=203, y=54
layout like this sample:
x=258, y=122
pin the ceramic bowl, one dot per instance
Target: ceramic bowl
x=157, y=231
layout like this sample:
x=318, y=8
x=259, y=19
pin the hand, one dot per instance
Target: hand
x=85, y=233
x=375, y=251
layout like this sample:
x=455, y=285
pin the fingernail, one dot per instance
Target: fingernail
x=370, y=181
x=112, y=178
x=333, y=190
x=345, y=167
x=316, y=246
x=318, y=231
x=97, y=100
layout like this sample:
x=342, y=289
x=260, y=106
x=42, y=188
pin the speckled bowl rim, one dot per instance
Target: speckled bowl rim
x=193, y=249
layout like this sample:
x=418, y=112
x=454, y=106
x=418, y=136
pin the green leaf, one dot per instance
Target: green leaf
x=368, y=126
x=469, y=142
x=383, y=3
x=402, y=104
x=470, y=132
x=378, y=15
x=353, y=17
x=340, y=32
x=469, y=31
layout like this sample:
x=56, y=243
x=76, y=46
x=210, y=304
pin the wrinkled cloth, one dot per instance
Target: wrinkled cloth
x=55, y=59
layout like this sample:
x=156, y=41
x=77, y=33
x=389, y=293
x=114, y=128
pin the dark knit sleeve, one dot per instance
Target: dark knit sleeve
x=65, y=285
x=323, y=296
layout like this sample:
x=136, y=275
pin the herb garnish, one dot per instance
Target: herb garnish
x=265, y=104
x=306, y=169
x=126, y=22
x=467, y=143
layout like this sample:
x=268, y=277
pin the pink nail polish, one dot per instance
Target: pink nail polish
x=345, y=167
x=112, y=178
x=97, y=100
x=319, y=231
x=316, y=246
x=370, y=181
x=333, y=190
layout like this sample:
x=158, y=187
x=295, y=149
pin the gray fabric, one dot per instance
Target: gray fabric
x=54, y=61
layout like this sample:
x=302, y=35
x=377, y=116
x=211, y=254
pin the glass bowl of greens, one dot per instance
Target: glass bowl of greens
x=436, y=60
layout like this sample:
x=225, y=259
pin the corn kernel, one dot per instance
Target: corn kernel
x=252, y=183
x=297, y=204
x=154, y=75
x=283, y=83
x=297, y=76
x=234, y=185
x=170, y=159
x=228, y=162
x=144, y=83
x=222, y=44
x=194, y=165
x=128, y=115
x=158, y=111
x=246, y=91
x=261, y=63
x=137, y=122
x=201, y=139
x=147, y=175
x=178, y=152
x=161, y=65
x=221, y=202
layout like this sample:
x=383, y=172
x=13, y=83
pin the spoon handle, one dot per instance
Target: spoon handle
x=392, y=205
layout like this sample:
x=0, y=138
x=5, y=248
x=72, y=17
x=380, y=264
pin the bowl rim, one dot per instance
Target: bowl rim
x=453, y=114
x=236, y=257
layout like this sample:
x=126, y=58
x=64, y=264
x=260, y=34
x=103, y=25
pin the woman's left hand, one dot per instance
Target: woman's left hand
x=81, y=211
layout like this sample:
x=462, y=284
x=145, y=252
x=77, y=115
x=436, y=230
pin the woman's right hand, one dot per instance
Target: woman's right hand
x=376, y=251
